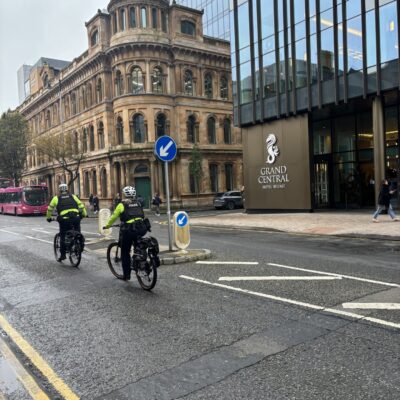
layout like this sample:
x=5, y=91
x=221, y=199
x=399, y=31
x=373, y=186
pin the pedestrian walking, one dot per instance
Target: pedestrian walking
x=90, y=201
x=96, y=208
x=156, y=203
x=384, y=201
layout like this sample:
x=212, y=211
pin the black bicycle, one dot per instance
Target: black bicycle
x=144, y=260
x=74, y=246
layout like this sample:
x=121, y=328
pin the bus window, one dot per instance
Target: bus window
x=35, y=197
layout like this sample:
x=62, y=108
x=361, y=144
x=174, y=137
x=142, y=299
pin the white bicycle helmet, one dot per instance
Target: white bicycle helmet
x=129, y=191
x=63, y=187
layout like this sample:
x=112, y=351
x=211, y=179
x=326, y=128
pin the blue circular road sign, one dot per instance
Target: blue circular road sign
x=182, y=220
x=165, y=148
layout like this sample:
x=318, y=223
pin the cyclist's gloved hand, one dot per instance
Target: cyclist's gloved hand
x=49, y=220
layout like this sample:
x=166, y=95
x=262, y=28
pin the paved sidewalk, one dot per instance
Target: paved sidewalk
x=341, y=223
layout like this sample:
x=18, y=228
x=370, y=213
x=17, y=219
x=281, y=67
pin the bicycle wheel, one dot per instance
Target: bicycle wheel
x=56, y=245
x=146, y=274
x=75, y=253
x=114, y=260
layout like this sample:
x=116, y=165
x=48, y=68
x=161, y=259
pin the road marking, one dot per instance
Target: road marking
x=296, y=303
x=6, y=231
x=40, y=240
x=372, y=306
x=41, y=230
x=38, y=361
x=278, y=278
x=24, y=377
x=333, y=274
x=228, y=262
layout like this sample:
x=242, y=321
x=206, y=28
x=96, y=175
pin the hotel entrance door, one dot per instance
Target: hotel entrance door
x=321, y=182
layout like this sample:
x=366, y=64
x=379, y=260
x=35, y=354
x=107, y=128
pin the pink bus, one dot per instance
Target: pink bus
x=24, y=200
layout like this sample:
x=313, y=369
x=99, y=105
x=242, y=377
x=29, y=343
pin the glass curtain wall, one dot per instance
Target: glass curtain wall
x=294, y=55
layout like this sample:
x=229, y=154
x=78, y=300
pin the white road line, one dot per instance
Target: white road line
x=228, y=262
x=372, y=306
x=40, y=240
x=355, y=278
x=278, y=278
x=297, y=303
x=43, y=231
x=6, y=231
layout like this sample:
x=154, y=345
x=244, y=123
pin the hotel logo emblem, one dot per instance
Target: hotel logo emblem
x=272, y=149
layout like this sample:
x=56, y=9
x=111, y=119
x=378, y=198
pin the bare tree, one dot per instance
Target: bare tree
x=65, y=152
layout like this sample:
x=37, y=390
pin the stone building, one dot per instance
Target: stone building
x=148, y=71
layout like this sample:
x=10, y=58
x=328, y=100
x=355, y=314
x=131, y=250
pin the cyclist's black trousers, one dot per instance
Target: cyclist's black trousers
x=66, y=225
x=128, y=237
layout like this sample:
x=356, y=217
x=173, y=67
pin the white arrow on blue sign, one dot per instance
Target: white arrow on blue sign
x=165, y=148
x=182, y=220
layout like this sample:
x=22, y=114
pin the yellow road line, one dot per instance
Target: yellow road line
x=38, y=361
x=25, y=378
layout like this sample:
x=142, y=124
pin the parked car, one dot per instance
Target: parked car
x=230, y=200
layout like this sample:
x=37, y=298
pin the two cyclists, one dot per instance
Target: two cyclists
x=70, y=211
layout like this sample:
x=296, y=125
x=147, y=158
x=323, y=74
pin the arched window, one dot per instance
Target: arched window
x=142, y=169
x=82, y=100
x=143, y=17
x=188, y=28
x=73, y=103
x=213, y=170
x=227, y=131
x=156, y=80
x=154, y=19
x=94, y=181
x=91, y=138
x=211, y=130
x=120, y=131
x=100, y=135
x=86, y=184
x=46, y=82
x=191, y=129
x=132, y=17
x=103, y=179
x=208, y=89
x=48, y=119
x=99, y=90
x=161, y=125
x=94, y=39
x=76, y=143
x=139, y=129
x=89, y=96
x=122, y=21
x=114, y=22
x=188, y=83
x=85, y=140
x=164, y=21
x=119, y=89
x=224, y=88
x=137, y=81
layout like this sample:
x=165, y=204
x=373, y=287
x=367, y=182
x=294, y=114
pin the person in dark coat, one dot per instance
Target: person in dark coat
x=156, y=203
x=96, y=208
x=384, y=201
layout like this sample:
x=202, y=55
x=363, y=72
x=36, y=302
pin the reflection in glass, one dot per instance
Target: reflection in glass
x=301, y=63
x=354, y=44
x=269, y=75
x=327, y=54
x=246, y=91
x=371, y=38
x=388, y=32
x=243, y=22
x=322, y=137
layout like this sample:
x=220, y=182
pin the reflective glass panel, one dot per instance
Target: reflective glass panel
x=354, y=44
x=388, y=32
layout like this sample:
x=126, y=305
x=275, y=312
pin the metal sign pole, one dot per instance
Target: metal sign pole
x=168, y=206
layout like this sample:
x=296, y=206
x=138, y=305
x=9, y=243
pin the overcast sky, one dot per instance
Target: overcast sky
x=30, y=29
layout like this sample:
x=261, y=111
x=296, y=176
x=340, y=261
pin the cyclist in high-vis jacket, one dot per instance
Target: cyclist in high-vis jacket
x=70, y=211
x=131, y=214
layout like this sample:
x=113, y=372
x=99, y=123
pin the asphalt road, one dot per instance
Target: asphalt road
x=270, y=316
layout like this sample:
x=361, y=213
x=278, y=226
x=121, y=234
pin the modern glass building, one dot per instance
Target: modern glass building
x=215, y=18
x=322, y=77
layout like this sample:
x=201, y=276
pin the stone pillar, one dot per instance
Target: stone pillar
x=124, y=179
x=379, y=143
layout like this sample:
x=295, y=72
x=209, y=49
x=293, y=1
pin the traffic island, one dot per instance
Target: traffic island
x=183, y=256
